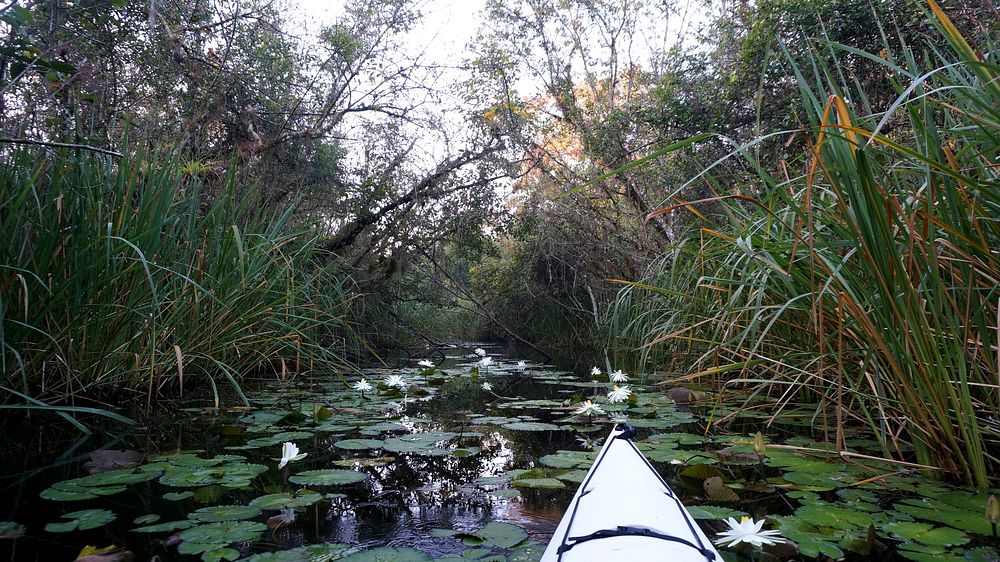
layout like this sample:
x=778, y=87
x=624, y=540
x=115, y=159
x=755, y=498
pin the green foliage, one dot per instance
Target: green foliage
x=127, y=275
x=865, y=282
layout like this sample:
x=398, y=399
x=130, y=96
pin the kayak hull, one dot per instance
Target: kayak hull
x=623, y=511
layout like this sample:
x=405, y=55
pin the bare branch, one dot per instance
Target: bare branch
x=62, y=145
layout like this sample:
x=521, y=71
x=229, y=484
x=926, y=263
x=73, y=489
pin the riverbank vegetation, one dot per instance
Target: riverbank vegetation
x=794, y=199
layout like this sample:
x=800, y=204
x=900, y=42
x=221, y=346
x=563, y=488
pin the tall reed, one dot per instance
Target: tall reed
x=128, y=275
x=868, y=285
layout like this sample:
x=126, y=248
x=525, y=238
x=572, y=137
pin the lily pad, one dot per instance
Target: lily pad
x=11, y=530
x=114, y=478
x=166, y=527
x=311, y=553
x=146, y=519
x=531, y=426
x=237, y=475
x=279, y=438
x=575, y=476
x=328, y=477
x=501, y=535
x=492, y=420
x=420, y=443
x=809, y=538
x=68, y=491
x=679, y=438
x=714, y=512
x=958, y=510
x=822, y=514
x=388, y=554
x=379, y=461
x=224, y=513
x=545, y=483
x=301, y=498
x=82, y=520
x=359, y=444
x=924, y=533
x=569, y=459
x=223, y=533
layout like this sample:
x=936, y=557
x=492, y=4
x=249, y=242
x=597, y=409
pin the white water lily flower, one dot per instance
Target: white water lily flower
x=521, y=365
x=480, y=352
x=594, y=371
x=618, y=376
x=589, y=409
x=748, y=531
x=619, y=394
x=486, y=361
x=289, y=453
x=487, y=387
x=362, y=385
x=395, y=380
x=425, y=363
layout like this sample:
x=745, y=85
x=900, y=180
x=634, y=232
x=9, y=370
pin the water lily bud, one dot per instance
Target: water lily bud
x=992, y=509
x=758, y=444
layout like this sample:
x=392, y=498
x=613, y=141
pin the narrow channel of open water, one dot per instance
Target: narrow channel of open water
x=406, y=493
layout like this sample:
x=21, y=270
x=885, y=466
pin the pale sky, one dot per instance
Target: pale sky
x=444, y=30
x=446, y=27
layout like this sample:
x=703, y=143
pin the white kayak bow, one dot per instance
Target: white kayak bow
x=624, y=511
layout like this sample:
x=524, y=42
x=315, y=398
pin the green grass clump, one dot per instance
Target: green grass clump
x=868, y=284
x=130, y=275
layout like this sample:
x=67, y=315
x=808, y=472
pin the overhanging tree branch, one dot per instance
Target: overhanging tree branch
x=62, y=145
x=422, y=189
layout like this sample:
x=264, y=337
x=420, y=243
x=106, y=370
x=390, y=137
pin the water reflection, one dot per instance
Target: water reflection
x=405, y=497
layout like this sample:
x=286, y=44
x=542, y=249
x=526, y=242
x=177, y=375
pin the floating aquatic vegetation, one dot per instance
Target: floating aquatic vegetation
x=218, y=513
x=234, y=475
x=828, y=508
x=212, y=539
x=573, y=476
x=363, y=462
x=82, y=520
x=315, y=552
x=569, y=459
x=95, y=485
x=388, y=554
x=11, y=530
x=531, y=426
x=957, y=509
x=714, y=512
x=359, y=444
x=545, y=483
x=278, y=438
x=146, y=519
x=299, y=498
x=427, y=443
x=506, y=493
x=465, y=452
x=328, y=477
x=166, y=527
x=491, y=420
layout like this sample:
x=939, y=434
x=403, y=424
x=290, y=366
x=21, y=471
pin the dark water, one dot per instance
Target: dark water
x=444, y=453
x=398, y=504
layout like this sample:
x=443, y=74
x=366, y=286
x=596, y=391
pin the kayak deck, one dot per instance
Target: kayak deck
x=625, y=511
